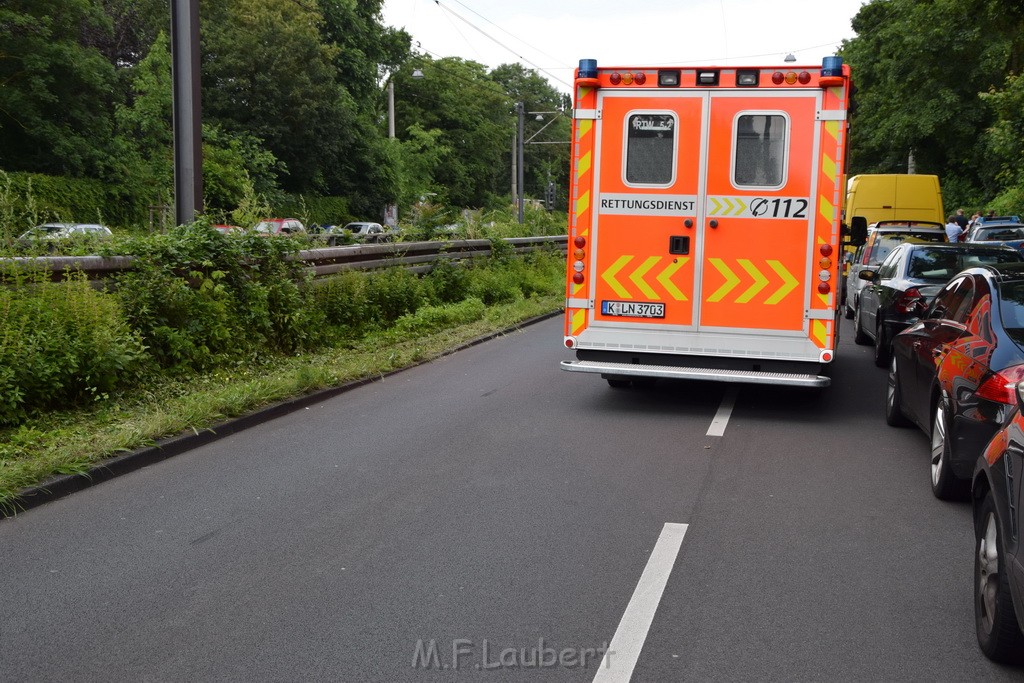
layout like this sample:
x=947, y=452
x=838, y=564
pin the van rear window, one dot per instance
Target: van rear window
x=650, y=149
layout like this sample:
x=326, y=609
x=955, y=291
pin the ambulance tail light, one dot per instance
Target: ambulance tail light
x=570, y=342
x=668, y=78
x=709, y=77
x=578, y=255
x=1001, y=387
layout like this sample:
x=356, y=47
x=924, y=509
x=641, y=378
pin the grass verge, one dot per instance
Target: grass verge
x=72, y=442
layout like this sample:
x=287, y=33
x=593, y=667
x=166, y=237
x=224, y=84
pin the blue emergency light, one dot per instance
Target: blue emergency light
x=832, y=66
x=588, y=68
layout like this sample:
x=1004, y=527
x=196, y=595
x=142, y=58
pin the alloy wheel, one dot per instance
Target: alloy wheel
x=938, y=444
x=988, y=573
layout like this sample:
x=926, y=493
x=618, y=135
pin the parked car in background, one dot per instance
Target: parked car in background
x=883, y=237
x=226, y=229
x=1007, y=234
x=55, y=231
x=279, y=226
x=953, y=372
x=900, y=289
x=998, y=498
x=359, y=231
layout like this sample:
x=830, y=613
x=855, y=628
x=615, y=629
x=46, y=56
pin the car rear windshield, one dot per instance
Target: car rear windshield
x=999, y=234
x=886, y=243
x=1011, y=309
x=942, y=264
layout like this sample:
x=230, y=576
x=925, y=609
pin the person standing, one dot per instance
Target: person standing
x=961, y=219
x=953, y=229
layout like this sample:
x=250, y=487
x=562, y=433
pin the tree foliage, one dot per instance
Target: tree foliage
x=921, y=68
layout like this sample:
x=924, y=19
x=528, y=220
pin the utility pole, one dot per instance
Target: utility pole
x=187, y=122
x=520, y=110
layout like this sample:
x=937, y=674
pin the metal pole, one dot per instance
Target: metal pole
x=391, y=109
x=187, y=122
x=520, y=109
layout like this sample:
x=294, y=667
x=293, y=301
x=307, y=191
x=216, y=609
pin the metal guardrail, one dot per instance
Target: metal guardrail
x=418, y=257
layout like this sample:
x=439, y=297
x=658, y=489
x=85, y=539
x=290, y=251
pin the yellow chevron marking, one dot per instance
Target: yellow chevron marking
x=716, y=207
x=666, y=279
x=819, y=332
x=832, y=128
x=789, y=283
x=576, y=288
x=585, y=126
x=638, y=277
x=584, y=91
x=826, y=209
x=828, y=166
x=759, y=281
x=583, y=166
x=579, y=319
x=741, y=206
x=609, y=277
x=730, y=279
x=583, y=203
x=824, y=299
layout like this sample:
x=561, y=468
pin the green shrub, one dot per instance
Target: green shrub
x=392, y=293
x=433, y=318
x=61, y=343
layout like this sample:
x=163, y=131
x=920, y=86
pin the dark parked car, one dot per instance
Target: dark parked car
x=953, y=372
x=900, y=289
x=883, y=237
x=998, y=496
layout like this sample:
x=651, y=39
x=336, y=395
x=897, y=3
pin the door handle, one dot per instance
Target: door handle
x=679, y=244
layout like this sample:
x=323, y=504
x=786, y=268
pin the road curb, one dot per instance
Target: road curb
x=66, y=484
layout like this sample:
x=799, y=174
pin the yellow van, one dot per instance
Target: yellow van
x=894, y=197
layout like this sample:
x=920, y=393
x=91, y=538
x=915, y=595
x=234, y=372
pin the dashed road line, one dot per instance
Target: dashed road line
x=624, y=650
x=718, y=424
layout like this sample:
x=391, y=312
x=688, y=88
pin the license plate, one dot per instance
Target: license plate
x=632, y=309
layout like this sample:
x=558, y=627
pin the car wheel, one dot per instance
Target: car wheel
x=894, y=416
x=999, y=635
x=881, y=344
x=859, y=336
x=945, y=485
x=849, y=309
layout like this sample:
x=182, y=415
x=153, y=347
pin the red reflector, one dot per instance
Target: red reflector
x=577, y=278
x=615, y=78
x=804, y=77
x=580, y=242
x=1001, y=386
x=825, y=250
x=824, y=288
x=640, y=78
x=778, y=77
x=568, y=343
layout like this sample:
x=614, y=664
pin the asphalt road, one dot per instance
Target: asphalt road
x=489, y=512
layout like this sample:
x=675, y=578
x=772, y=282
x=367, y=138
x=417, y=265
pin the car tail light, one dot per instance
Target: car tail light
x=1001, y=387
x=908, y=301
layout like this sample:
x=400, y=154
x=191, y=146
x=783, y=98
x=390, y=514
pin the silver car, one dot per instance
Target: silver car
x=53, y=231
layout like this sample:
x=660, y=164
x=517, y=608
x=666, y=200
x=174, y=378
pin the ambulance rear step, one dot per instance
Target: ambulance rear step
x=611, y=370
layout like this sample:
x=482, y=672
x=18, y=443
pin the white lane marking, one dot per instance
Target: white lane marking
x=718, y=424
x=624, y=650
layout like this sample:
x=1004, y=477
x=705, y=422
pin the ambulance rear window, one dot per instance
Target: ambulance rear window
x=650, y=149
x=760, y=146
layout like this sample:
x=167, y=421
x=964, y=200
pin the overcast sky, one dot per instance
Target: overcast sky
x=553, y=35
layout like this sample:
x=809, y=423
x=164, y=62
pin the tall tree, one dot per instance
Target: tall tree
x=476, y=122
x=920, y=67
x=56, y=94
x=546, y=156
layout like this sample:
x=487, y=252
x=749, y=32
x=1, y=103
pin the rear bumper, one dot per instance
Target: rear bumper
x=612, y=369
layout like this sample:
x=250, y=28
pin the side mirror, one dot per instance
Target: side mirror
x=858, y=231
x=868, y=275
